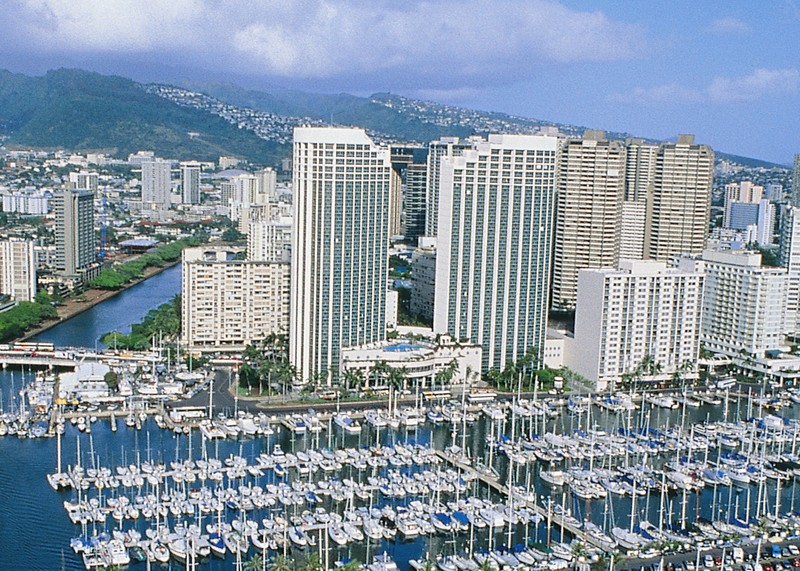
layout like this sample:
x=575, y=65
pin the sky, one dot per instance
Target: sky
x=727, y=71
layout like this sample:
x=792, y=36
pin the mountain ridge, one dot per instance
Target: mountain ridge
x=81, y=110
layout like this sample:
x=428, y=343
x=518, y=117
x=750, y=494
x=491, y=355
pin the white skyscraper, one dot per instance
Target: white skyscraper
x=789, y=257
x=765, y=222
x=340, y=246
x=444, y=147
x=639, y=312
x=494, y=242
x=190, y=182
x=156, y=181
x=17, y=269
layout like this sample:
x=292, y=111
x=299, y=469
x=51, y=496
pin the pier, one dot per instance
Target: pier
x=493, y=483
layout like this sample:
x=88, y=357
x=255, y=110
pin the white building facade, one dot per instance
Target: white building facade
x=229, y=304
x=156, y=182
x=18, y=269
x=744, y=306
x=639, y=312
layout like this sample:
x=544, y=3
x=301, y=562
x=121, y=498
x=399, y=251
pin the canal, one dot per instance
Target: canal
x=115, y=314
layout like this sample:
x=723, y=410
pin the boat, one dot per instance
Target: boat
x=347, y=423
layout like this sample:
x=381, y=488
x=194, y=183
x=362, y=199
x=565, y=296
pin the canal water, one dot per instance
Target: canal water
x=35, y=530
x=115, y=314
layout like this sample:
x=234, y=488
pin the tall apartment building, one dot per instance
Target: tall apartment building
x=17, y=269
x=789, y=258
x=84, y=180
x=494, y=244
x=340, y=246
x=414, y=207
x=679, y=207
x=74, y=232
x=794, y=197
x=231, y=303
x=640, y=169
x=267, y=185
x=190, y=182
x=744, y=304
x=410, y=164
x=270, y=240
x=744, y=192
x=774, y=192
x=641, y=311
x=444, y=147
x=156, y=181
x=591, y=189
x=423, y=290
x=632, y=229
x=395, y=203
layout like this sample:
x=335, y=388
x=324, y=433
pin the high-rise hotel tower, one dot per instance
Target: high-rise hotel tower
x=495, y=222
x=340, y=247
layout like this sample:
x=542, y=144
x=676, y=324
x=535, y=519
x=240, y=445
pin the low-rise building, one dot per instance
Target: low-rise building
x=420, y=361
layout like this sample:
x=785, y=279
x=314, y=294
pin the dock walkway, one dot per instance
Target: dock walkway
x=494, y=483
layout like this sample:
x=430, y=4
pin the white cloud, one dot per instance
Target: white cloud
x=670, y=93
x=109, y=26
x=727, y=25
x=505, y=39
x=758, y=84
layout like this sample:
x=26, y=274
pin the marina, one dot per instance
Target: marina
x=418, y=492
x=544, y=482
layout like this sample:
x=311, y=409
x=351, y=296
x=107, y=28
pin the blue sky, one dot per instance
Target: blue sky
x=726, y=71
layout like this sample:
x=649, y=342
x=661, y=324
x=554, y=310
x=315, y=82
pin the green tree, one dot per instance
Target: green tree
x=232, y=235
x=280, y=563
x=112, y=380
x=255, y=563
x=311, y=562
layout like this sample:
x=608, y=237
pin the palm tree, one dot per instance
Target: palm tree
x=397, y=377
x=493, y=377
x=255, y=563
x=445, y=375
x=280, y=563
x=379, y=372
x=311, y=562
x=352, y=378
x=352, y=565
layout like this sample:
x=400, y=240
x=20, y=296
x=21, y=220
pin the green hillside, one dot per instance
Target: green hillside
x=341, y=108
x=80, y=110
